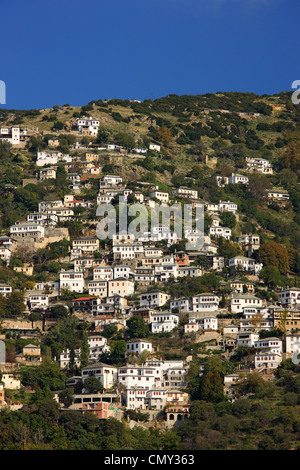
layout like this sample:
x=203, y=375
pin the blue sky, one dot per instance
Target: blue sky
x=59, y=51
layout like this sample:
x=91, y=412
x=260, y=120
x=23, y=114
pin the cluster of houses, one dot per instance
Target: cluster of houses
x=129, y=278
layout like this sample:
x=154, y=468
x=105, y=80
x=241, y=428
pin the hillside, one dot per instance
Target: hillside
x=200, y=137
x=85, y=317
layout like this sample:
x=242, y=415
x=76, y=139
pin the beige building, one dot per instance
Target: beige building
x=30, y=353
x=26, y=269
x=2, y=395
x=10, y=382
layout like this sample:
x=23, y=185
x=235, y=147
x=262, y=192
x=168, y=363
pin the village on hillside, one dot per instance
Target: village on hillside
x=128, y=317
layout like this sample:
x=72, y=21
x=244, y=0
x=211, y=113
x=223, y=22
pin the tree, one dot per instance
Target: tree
x=59, y=311
x=228, y=219
x=109, y=331
x=291, y=156
x=36, y=144
x=241, y=407
x=137, y=327
x=84, y=356
x=202, y=411
x=125, y=140
x=257, y=320
x=228, y=249
x=93, y=385
x=164, y=135
x=72, y=362
x=274, y=254
x=254, y=384
x=14, y=304
x=282, y=321
x=26, y=198
x=118, y=349
x=270, y=275
x=58, y=125
x=212, y=387
x=66, y=397
x=46, y=376
x=102, y=137
x=61, y=177
x=258, y=186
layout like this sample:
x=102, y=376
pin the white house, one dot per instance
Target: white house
x=71, y=280
x=206, y=323
x=135, y=398
x=47, y=286
x=290, y=297
x=50, y=205
x=205, y=302
x=261, y=165
x=154, y=147
x=164, y=271
x=65, y=358
x=97, y=346
x=220, y=232
x=144, y=275
x=88, y=126
x=127, y=251
x=236, y=178
x=13, y=135
x=110, y=180
x=51, y=158
x=153, y=299
x=121, y=237
x=24, y=231
x=158, y=234
x=97, y=287
x=186, y=192
x=107, y=374
x=138, y=376
x=273, y=345
x=103, y=272
x=191, y=271
x=164, y=322
x=242, y=263
x=38, y=300
x=183, y=304
x=121, y=271
x=278, y=195
x=10, y=381
x=267, y=360
x=83, y=263
x=88, y=245
x=246, y=338
x=95, y=341
x=233, y=179
x=42, y=218
x=138, y=346
x=104, y=199
x=158, y=398
x=47, y=173
x=227, y=206
x=160, y=195
x=239, y=301
x=108, y=272
x=292, y=343
x=121, y=286
x=5, y=290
